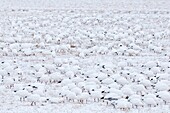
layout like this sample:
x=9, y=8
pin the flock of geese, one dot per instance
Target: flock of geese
x=117, y=58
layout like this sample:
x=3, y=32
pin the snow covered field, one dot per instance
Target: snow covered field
x=95, y=56
x=88, y=4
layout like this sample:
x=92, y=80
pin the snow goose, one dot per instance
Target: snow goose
x=139, y=88
x=135, y=96
x=36, y=67
x=44, y=79
x=17, y=86
x=158, y=49
x=56, y=100
x=76, y=90
x=22, y=94
x=69, y=74
x=63, y=91
x=94, y=80
x=96, y=95
x=101, y=76
x=162, y=76
x=9, y=69
x=116, y=91
x=3, y=73
x=150, y=95
x=122, y=81
x=149, y=101
x=3, y=90
x=153, y=80
x=71, y=96
x=81, y=84
x=168, y=70
x=90, y=87
x=114, y=85
x=40, y=92
x=147, y=83
x=131, y=52
x=126, y=90
x=9, y=82
x=123, y=104
x=122, y=64
x=156, y=70
x=50, y=68
x=55, y=77
x=83, y=97
x=71, y=86
x=151, y=64
x=38, y=76
x=42, y=69
x=164, y=95
x=161, y=86
x=33, y=98
x=126, y=74
x=112, y=96
x=48, y=38
x=76, y=80
x=107, y=81
x=66, y=81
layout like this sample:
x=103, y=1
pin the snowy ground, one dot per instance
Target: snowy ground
x=143, y=18
x=72, y=108
x=88, y=4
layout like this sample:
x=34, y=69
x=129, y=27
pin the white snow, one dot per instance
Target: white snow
x=102, y=56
